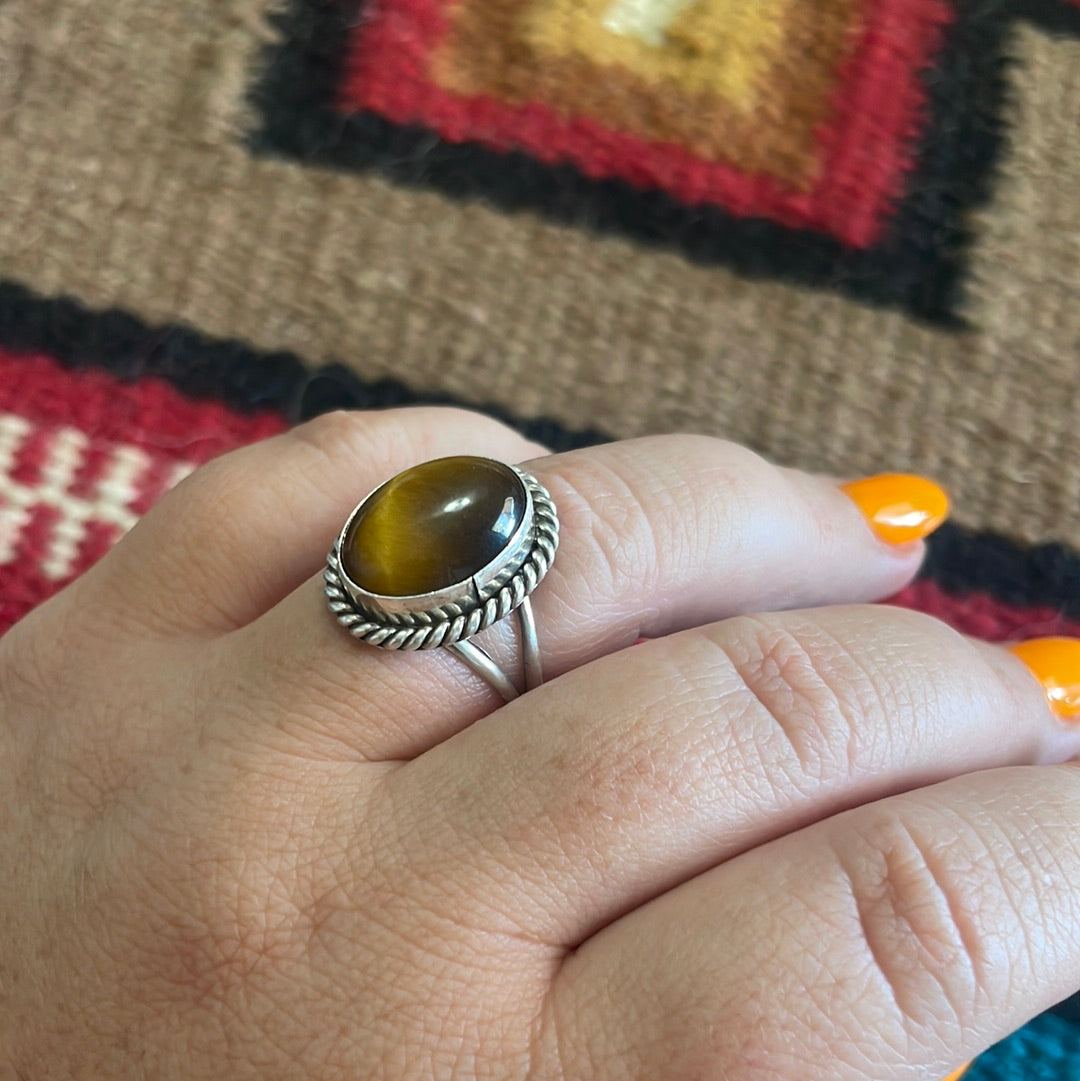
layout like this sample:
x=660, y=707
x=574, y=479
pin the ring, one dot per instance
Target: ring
x=441, y=552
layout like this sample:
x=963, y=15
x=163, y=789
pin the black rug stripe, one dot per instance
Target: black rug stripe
x=231, y=372
x=243, y=378
x=920, y=266
x=964, y=561
x=1058, y=17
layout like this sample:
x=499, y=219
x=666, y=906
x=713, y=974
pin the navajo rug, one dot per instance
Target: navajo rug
x=845, y=232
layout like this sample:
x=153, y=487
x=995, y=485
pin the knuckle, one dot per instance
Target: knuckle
x=330, y=441
x=334, y=440
x=234, y=909
x=922, y=920
x=814, y=704
x=339, y=435
x=642, y=511
x=328, y=431
x=641, y=515
x=394, y=436
x=598, y=505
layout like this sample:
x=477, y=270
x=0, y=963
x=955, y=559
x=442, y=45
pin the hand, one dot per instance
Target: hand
x=766, y=845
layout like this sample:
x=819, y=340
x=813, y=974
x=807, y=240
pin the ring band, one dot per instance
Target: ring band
x=441, y=552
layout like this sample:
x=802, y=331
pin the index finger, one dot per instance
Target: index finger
x=247, y=528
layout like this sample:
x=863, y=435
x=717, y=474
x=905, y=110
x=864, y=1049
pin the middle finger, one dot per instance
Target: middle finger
x=628, y=777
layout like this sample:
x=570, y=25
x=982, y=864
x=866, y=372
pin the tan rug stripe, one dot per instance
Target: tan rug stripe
x=124, y=183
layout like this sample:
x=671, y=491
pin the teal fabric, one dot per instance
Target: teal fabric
x=1047, y=1049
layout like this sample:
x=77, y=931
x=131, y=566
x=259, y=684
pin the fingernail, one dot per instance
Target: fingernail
x=1056, y=665
x=956, y=1075
x=900, y=507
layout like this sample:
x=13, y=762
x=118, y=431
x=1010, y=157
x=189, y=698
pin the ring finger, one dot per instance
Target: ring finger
x=658, y=534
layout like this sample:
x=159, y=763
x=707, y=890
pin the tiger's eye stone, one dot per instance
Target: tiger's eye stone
x=433, y=525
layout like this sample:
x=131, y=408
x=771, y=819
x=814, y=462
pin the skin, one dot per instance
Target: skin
x=790, y=838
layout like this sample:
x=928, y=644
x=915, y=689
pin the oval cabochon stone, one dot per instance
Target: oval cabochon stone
x=433, y=525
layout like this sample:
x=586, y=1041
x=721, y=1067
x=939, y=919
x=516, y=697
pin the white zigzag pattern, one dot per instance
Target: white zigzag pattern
x=110, y=501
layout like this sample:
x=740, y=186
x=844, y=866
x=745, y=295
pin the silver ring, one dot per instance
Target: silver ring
x=439, y=553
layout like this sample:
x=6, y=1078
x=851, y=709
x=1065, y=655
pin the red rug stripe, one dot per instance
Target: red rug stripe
x=149, y=413
x=21, y=589
x=88, y=476
x=984, y=617
x=33, y=543
x=31, y=457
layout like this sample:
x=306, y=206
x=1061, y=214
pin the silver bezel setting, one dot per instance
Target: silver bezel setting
x=461, y=609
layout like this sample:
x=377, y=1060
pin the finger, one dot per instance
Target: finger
x=627, y=777
x=892, y=942
x=672, y=532
x=657, y=534
x=247, y=528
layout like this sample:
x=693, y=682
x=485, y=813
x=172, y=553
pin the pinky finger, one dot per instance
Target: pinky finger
x=891, y=942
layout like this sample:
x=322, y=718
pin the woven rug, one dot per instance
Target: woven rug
x=844, y=232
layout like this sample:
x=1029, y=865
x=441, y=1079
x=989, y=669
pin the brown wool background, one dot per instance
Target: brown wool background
x=124, y=181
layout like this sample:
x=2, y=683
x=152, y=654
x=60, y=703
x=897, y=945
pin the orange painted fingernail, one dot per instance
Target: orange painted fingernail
x=955, y=1076
x=1056, y=664
x=900, y=507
